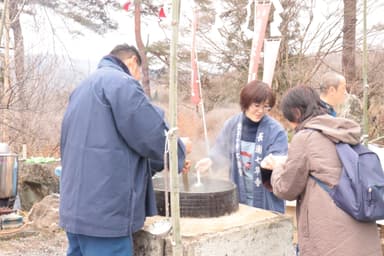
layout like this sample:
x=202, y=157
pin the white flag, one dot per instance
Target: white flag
x=271, y=50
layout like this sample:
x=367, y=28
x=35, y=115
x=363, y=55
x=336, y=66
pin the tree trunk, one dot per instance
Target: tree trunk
x=6, y=89
x=349, y=43
x=18, y=41
x=140, y=46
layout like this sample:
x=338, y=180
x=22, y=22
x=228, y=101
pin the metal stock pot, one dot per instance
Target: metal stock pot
x=8, y=175
x=212, y=198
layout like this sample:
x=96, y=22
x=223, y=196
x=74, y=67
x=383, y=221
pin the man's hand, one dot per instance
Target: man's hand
x=187, y=166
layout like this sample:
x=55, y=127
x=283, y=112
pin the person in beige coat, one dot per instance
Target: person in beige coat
x=323, y=228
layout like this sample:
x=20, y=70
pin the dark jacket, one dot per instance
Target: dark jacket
x=109, y=132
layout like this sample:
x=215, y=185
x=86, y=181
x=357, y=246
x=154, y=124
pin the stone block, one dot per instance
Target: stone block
x=247, y=232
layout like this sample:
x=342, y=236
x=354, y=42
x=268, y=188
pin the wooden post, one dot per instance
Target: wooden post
x=177, y=249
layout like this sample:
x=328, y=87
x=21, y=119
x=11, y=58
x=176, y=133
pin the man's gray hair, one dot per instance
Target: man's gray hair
x=330, y=79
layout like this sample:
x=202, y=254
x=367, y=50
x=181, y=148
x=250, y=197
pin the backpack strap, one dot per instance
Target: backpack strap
x=321, y=184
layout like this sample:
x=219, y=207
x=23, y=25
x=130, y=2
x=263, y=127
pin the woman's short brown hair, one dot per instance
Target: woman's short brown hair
x=256, y=92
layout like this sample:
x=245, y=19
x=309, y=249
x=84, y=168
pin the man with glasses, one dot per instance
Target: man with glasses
x=112, y=141
x=244, y=141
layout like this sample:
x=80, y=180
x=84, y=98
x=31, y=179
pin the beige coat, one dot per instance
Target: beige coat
x=323, y=228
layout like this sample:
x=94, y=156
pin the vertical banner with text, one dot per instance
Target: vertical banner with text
x=260, y=24
x=271, y=50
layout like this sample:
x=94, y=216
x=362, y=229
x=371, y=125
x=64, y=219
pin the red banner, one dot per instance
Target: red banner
x=195, y=89
x=260, y=25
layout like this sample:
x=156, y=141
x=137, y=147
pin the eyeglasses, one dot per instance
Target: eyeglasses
x=259, y=107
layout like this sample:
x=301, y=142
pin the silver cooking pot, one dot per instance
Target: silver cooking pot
x=8, y=175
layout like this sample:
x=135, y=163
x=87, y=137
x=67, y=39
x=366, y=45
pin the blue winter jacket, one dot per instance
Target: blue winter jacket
x=272, y=138
x=110, y=135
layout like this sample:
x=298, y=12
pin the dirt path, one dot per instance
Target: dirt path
x=34, y=244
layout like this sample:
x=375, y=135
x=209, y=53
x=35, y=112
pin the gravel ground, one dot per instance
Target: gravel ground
x=35, y=244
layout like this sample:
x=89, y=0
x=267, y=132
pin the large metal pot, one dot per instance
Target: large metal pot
x=8, y=175
x=211, y=198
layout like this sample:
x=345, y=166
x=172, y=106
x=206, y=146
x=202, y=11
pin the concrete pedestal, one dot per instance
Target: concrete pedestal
x=247, y=232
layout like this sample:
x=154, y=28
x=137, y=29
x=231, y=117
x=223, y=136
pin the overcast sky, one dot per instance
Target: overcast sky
x=85, y=44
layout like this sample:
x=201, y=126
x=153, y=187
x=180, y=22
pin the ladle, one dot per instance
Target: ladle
x=198, y=180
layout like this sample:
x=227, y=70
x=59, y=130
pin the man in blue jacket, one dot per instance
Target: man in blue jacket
x=332, y=91
x=112, y=140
